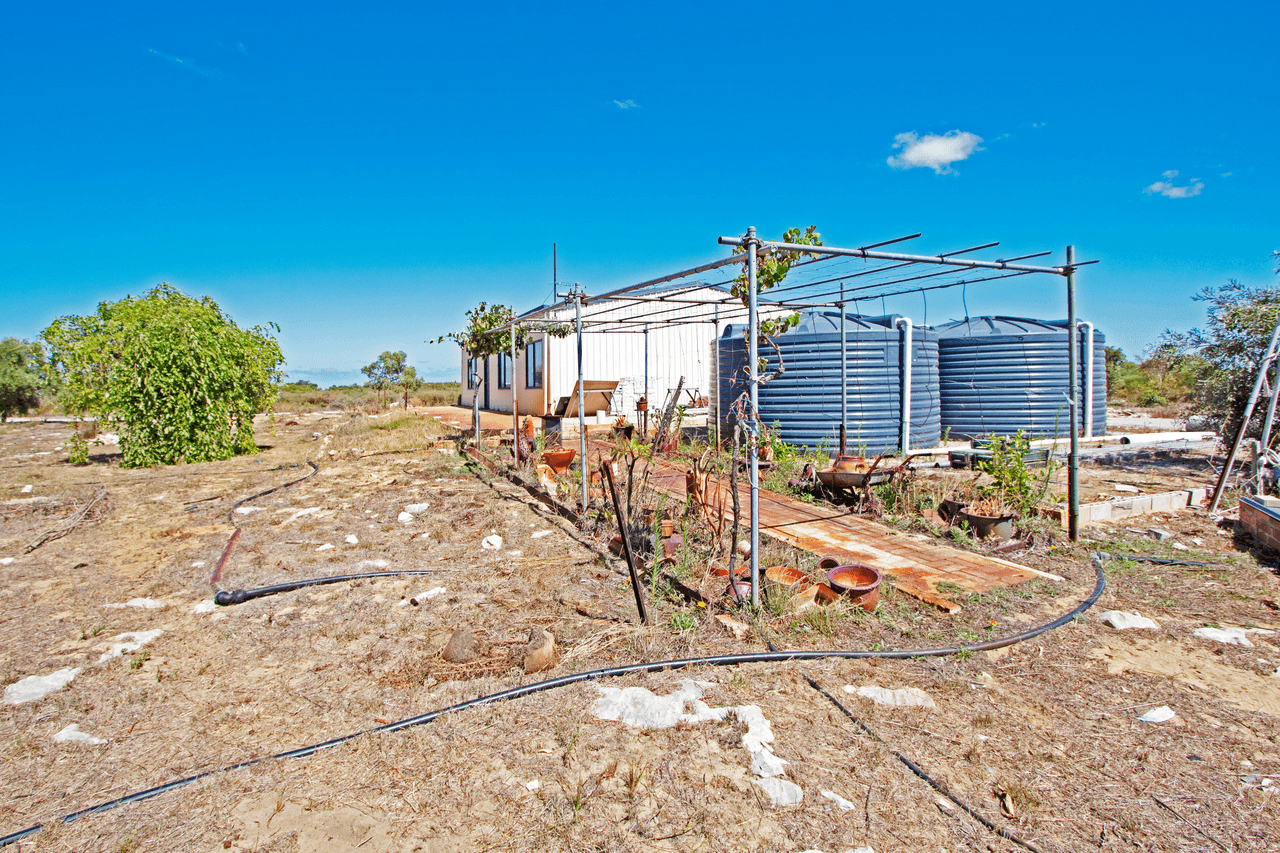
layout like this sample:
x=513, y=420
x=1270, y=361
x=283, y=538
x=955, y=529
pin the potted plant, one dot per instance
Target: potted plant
x=623, y=429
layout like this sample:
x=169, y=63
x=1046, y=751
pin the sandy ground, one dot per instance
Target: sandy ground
x=1052, y=723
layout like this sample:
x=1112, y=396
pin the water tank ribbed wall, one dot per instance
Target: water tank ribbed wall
x=999, y=375
x=804, y=402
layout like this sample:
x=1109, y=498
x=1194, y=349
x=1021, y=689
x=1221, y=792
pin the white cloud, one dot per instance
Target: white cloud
x=1168, y=189
x=933, y=151
x=188, y=64
x=628, y=104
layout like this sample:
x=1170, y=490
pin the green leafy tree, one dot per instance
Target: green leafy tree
x=181, y=380
x=385, y=373
x=1225, y=356
x=409, y=382
x=22, y=367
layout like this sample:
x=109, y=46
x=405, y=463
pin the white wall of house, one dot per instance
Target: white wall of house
x=614, y=353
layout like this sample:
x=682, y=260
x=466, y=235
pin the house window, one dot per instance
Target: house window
x=504, y=371
x=473, y=371
x=533, y=365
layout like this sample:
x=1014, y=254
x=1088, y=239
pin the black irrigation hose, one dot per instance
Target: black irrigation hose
x=914, y=768
x=1159, y=561
x=576, y=678
x=239, y=596
x=231, y=514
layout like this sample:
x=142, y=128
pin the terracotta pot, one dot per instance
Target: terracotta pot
x=786, y=576
x=859, y=583
x=850, y=463
x=668, y=528
x=559, y=460
x=826, y=564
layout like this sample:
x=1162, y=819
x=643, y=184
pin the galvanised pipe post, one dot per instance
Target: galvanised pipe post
x=844, y=380
x=582, y=415
x=753, y=439
x=515, y=400
x=1073, y=368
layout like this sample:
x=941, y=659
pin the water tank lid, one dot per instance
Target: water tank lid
x=972, y=327
x=826, y=323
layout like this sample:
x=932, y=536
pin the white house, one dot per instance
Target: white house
x=644, y=340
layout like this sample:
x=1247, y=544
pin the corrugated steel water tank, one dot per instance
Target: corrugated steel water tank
x=999, y=375
x=804, y=402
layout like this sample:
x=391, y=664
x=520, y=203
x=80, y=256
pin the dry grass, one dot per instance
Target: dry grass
x=1048, y=721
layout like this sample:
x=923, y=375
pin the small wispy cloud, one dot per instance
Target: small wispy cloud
x=188, y=64
x=1168, y=189
x=932, y=151
x=628, y=104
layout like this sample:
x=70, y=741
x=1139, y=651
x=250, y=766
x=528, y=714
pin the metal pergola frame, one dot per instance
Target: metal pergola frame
x=700, y=301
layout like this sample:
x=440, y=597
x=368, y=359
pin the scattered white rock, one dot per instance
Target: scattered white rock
x=492, y=543
x=197, y=564
x=1178, y=546
x=843, y=804
x=140, y=603
x=373, y=564
x=426, y=595
x=1121, y=487
x=206, y=606
x=405, y=518
x=636, y=706
x=540, y=534
x=353, y=539
x=1123, y=620
x=781, y=792
x=1159, y=534
x=311, y=510
x=131, y=641
x=1230, y=636
x=38, y=686
x=860, y=850
x=73, y=734
x=533, y=784
x=417, y=509
x=27, y=489
x=325, y=547
x=108, y=438
x=1163, y=714
x=1197, y=541
x=4, y=561
x=902, y=697
x=245, y=510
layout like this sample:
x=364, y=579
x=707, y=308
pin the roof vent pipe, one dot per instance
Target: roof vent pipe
x=1088, y=377
x=907, y=356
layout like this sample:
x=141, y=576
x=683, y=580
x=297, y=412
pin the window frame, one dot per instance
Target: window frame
x=534, y=363
x=473, y=370
x=504, y=371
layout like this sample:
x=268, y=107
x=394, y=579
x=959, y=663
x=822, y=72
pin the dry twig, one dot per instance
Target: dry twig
x=66, y=526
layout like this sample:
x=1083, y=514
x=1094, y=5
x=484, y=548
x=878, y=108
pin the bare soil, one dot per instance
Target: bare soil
x=1051, y=722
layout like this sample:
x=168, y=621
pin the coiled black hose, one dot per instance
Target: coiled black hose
x=239, y=596
x=576, y=678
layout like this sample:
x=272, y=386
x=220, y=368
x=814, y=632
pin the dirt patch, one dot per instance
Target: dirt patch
x=1200, y=669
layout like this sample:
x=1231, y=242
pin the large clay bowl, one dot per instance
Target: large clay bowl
x=859, y=583
x=786, y=576
x=559, y=460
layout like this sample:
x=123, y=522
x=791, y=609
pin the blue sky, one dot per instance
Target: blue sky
x=361, y=174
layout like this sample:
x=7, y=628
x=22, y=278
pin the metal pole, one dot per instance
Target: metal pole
x=1265, y=365
x=753, y=420
x=844, y=380
x=1073, y=367
x=582, y=419
x=475, y=399
x=644, y=426
x=1269, y=420
x=715, y=378
x=515, y=399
